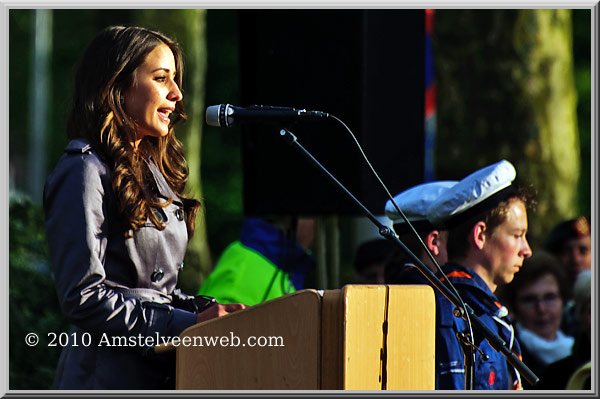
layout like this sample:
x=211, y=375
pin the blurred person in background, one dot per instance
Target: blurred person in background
x=571, y=242
x=414, y=203
x=557, y=374
x=370, y=260
x=271, y=259
x=536, y=298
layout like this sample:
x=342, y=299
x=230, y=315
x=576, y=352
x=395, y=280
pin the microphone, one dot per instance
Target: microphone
x=226, y=115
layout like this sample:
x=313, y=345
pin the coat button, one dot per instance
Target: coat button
x=179, y=214
x=159, y=215
x=157, y=275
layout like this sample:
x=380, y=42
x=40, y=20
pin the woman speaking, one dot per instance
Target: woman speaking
x=117, y=218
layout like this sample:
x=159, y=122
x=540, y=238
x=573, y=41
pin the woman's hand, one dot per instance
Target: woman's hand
x=218, y=310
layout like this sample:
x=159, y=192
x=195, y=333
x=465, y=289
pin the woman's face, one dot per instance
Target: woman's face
x=154, y=93
x=539, y=307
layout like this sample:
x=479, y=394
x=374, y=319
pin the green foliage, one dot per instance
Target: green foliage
x=33, y=304
x=582, y=62
x=72, y=30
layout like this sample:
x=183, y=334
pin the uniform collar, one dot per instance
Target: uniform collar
x=461, y=275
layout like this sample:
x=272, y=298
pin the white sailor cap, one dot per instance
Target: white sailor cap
x=476, y=193
x=415, y=203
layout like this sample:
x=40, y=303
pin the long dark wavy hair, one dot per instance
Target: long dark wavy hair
x=105, y=72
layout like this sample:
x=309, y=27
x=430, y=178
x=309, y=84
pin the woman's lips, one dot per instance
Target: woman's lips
x=164, y=114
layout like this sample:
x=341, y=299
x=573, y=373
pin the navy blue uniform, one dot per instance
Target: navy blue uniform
x=494, y=373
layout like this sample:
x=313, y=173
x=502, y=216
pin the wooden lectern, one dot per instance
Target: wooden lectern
x=359, y=337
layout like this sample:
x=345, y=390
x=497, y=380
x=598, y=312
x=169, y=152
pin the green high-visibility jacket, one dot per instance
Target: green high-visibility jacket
x=243, y=275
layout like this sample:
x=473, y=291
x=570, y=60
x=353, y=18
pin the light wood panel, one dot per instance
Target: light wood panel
x=364, y=315
x=411, y=338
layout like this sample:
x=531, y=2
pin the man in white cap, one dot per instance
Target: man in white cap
x=415, y=203
x=487, y=221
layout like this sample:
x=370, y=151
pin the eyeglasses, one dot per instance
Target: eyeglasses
x=531, y=301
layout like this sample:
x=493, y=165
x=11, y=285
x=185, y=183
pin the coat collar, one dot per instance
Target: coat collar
x=164, y=190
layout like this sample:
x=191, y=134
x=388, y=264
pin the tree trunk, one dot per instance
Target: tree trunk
x=38, y=107
x=188, y=28
x=543, y=40
x=506, y=91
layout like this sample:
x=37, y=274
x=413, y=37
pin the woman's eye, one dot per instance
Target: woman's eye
x=160, y=78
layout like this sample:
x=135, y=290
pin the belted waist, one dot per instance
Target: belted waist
x=144, y=295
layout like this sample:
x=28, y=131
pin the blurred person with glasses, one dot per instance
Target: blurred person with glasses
x=536, y=298
x=574, y=371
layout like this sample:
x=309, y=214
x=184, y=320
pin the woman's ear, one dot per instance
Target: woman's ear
x=479, y=234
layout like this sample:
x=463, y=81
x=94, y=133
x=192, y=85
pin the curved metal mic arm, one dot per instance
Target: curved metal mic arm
x=495, y=341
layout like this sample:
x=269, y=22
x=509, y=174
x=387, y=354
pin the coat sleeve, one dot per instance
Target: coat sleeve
x=77, y=199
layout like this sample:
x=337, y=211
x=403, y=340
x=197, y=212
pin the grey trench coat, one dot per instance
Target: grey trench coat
x=109, y=286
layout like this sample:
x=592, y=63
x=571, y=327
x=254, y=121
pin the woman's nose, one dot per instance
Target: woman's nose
x=175, y=94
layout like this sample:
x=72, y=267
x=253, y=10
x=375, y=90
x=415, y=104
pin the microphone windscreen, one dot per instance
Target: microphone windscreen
x=212, y=115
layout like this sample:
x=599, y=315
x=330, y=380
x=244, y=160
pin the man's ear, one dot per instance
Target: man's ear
x=478, y=234
x=433, y=242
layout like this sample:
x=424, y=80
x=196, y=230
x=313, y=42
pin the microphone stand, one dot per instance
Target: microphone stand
x=494, y=340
